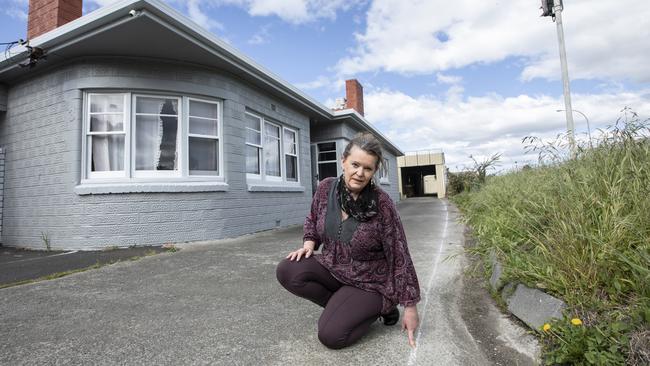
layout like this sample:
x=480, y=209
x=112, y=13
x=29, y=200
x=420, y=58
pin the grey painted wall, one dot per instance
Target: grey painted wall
x=3, y=98
x=2, y=182
x=41, y=134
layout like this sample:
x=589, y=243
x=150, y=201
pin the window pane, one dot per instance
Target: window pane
x=253, y=122
x=107, y=153
x=327, y=146
x=326, y=170
x=156, y=105
x=253, y=137
x=271, y=130
x=204, y=154
x=155, y=145
x=202, y=126
x=272, y=156
x=289, y=142
x=252, y=160
x=106, y=122
x=107, y=103
x=205, y=110
x=325, y=156
x=292, y=167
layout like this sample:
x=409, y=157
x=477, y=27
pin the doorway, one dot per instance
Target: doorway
x=413, y=179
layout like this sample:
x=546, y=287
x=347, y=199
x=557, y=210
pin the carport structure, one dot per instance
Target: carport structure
x=422, y=173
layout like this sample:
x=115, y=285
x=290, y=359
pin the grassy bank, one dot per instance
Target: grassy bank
x=580, y=230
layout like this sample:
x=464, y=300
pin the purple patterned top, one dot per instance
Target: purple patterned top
x=376, y=258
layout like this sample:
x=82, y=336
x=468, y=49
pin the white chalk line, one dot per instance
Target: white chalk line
x=414, y=351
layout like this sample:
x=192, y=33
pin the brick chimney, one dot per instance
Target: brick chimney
x=354, y=95
x=45, y=15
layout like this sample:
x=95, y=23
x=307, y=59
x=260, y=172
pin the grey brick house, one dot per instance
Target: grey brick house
x=141, y=128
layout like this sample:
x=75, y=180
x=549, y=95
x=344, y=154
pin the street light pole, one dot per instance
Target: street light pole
x=565, y=77
x=588, y=128
x=554, y=8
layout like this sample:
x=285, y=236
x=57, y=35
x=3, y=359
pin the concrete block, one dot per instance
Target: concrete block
x=534, y=307
x=507, y=291
x=497, y=271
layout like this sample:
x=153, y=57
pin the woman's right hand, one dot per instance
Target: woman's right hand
x=307, y=250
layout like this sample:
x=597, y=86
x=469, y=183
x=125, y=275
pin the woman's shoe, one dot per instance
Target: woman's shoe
x=391, y=318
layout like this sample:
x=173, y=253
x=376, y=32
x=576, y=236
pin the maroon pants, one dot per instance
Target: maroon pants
x=349, y=311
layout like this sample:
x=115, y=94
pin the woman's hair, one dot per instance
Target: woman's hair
x=368, y=143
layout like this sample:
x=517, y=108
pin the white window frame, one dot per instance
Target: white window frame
x=217, y=137
x=286, y=153
x=260, y=148
x=263, y=177
x=88, y=139
x=180, y=157
x=281, y=177
x=130, y=175
x=335, y=161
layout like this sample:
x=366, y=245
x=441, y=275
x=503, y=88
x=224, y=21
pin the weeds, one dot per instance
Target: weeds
x=46, y=241
x=580, y=229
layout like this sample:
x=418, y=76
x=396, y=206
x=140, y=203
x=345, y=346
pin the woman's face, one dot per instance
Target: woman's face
x=358, y=169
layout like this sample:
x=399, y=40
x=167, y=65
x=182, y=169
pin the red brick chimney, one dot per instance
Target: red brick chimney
x=45, y=15
x=354, y=95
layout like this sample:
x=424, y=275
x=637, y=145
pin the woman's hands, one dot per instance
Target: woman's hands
x=307, y=250
x=410, y=322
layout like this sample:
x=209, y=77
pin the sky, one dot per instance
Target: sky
x=469, y=77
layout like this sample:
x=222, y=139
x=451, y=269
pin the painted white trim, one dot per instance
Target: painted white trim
x=158, y=187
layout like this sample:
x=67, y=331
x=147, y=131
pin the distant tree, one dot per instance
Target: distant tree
x=481, y=168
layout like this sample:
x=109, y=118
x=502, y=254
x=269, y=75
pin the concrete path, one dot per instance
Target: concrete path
x=219, y=303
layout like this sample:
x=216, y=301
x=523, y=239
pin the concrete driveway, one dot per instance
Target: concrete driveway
x=219, y=303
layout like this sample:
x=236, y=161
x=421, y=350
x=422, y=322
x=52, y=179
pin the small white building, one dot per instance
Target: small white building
x=422, y=173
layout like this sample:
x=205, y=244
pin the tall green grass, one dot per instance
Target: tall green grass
x=577, y=228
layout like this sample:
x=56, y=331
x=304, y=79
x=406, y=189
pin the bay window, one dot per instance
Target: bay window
x=131, y=137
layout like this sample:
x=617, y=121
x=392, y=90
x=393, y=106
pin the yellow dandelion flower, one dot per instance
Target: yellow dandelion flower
x=546, y=327
x=576, y=321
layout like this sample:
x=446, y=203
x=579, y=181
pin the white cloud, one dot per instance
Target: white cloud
x=261, y=36
x=102, y=3
x=17, y=9
x=332, y=85
x=199, y=17
x=448, y=79
x=429, y=36
x=482, y=126
x=291, y=11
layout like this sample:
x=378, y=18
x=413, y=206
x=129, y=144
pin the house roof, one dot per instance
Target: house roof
x=151, y=28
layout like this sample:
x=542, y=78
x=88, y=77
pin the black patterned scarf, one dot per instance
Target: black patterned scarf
x=364, y=207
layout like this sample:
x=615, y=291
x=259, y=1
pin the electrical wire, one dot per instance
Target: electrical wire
x=10, y=45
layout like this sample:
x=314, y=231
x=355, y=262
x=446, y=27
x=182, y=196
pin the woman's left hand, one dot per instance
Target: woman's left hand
x=410, y=322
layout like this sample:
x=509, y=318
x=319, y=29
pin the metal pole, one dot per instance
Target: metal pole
x=557, y=9
x=588, y=127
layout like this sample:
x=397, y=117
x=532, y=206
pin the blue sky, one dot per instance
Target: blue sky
x=469, y=77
